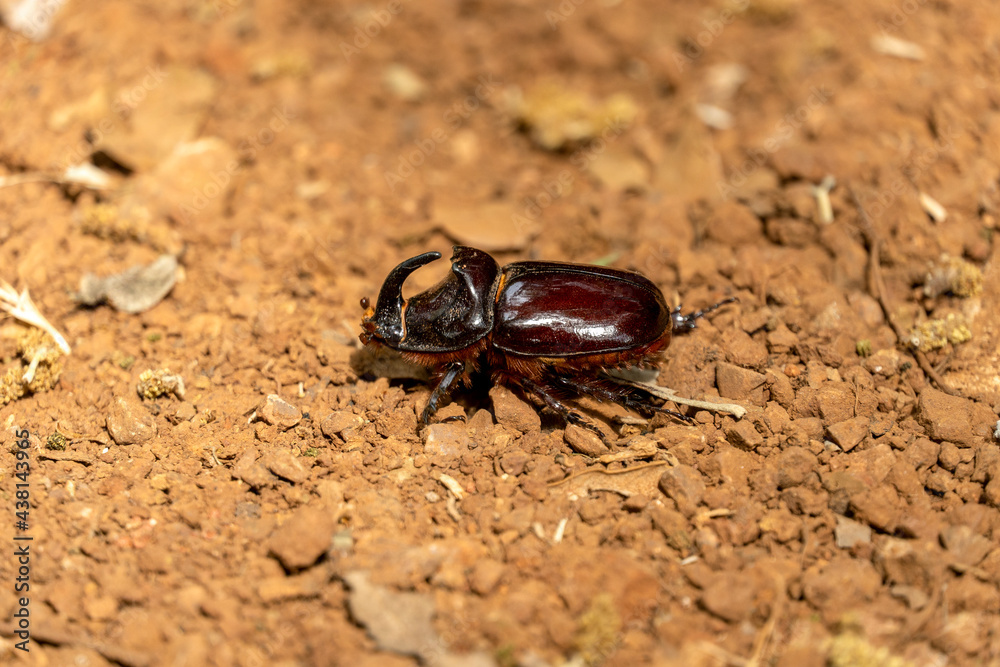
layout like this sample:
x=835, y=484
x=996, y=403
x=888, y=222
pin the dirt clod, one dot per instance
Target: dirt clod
x=278, y=412
x=303, y=538
x=129, y=423
x=584, y=441
x=849, y=433
x=513, y=412
x=952, y=418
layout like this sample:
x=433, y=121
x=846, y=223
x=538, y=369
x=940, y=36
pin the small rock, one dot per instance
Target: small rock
x=134, y=290
x=733, y=224
x=952, y=418
x=448, y=440
x=966, y=547
x=776, y=418
x=742, y=350
x=279, y=412
x=992, y=492
x=842, y=584
x=780, y=387
x=878, y=507
x=300, y=541
x=917, y=563
x=512, y=412
x=965, y=632
x=252, y=471
x=794, y=465
x=836, y=402
x=740, y=383
x=674, y=527
x=286, y=465
x=804, y=500
x=342, y=423
x=843, y=481
x=782, y=524
x=403, y=82
x=884, y=362
x=728, y=466
x=849, y=532
x=848, y=434
x=742, y=434
x=513, y=462
x=685, y=486
x=874, y=464
x=485, y=576
x=731, y=596
x=584, y=441
x=129, y=423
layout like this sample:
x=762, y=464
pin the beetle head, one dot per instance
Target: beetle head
x=383, y=322
x=449, y=317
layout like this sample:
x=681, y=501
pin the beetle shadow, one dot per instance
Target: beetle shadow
x=370, y=364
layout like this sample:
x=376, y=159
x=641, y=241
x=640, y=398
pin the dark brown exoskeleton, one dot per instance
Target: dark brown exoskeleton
x=550, y=328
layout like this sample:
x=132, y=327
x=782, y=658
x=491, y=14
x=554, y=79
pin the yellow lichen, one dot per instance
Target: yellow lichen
x=852, y=650
x=953, y=275
x=935, y=334
x=39, y=370
x=153, y=384
x=598, y=632
x=557, y=117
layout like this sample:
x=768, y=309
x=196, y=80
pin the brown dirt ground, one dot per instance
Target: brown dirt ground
x=850, y=518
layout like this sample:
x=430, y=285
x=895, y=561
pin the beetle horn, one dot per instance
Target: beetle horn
x=389, y=309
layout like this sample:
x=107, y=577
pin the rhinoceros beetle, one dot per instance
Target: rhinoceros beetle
x=549, y=328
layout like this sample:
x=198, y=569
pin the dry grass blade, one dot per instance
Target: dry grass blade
x=23, y=308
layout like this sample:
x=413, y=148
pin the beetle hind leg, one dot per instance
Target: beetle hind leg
x=570, y=416
x=631, y=397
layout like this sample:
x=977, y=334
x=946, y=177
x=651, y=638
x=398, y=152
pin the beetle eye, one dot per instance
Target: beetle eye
x=364, y=302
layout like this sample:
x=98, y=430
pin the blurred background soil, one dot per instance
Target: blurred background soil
x=283, y=506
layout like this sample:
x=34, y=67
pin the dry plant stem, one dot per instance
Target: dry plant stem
x=668, y=394
x=81, y=174
x=23, y=308
x=877, y=288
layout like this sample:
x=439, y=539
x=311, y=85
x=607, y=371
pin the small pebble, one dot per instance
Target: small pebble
x=300, y=541
x=512, y=412
x=584, y=441
x=279, y=412
x=129, y=423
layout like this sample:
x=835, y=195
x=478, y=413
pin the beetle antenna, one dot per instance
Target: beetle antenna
x=682, y=323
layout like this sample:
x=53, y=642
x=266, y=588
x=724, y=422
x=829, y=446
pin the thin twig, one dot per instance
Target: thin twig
x=877, y=287
x=669, y=394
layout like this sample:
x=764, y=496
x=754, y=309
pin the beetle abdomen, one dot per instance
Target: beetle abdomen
x=549, y=309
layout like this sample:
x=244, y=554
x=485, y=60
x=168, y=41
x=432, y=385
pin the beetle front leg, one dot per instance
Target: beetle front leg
x=452, y=371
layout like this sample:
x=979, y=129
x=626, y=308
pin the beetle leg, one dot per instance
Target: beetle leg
x=558, y=406
x=452, y=371
x=682, y=323
x=618, y=394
